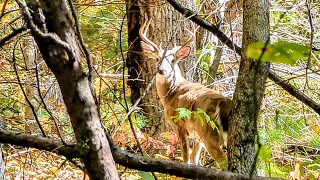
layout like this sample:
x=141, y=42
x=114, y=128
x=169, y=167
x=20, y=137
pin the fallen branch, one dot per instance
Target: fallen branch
x=39, y=142
x=121, y=157
x=223, y=38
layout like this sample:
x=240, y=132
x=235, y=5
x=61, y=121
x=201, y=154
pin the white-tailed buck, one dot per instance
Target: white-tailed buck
x=176, y=92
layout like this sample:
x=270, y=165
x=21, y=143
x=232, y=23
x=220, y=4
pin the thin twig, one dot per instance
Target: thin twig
x=24, y=93
x=45, y=105
x=85, y=49
x=12, y=35
x=311, y=43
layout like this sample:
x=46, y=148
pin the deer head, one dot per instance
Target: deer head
x=167, y=59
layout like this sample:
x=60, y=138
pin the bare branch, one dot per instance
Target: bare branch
x=122, y=158
x=12, y=35
x=38, y=142
x=205, y=24
x=55, y=121
x=25, y=95
x=296, y=93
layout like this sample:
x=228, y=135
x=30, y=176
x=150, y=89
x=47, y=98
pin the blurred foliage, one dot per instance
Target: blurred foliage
x=280, y=52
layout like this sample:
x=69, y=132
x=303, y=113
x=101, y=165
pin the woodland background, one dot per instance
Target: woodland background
x=288, y=122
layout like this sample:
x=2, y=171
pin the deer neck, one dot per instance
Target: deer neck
x=166, y=85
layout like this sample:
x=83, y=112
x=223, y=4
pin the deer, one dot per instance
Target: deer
x=175, y=92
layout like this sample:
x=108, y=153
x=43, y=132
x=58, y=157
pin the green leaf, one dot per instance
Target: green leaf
x=280, y=52
x=276, y=171
x=214, y=126
x=184, y=113
x=265, y=153
x=312, y=177
x=204, y=65
x=197, y=115
x=175, y=118
x=199, y=110
x=145, y=175
x=207, y=117
x=254, y=50
x=314, y=166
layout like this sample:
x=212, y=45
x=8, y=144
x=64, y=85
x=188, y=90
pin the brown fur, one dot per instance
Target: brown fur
x=192, y=96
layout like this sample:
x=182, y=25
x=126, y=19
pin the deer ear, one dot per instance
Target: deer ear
x=146, y=47
x=183, y=53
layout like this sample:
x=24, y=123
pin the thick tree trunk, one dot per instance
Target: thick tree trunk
x=141, y=70
x=65, y=63
x=249, y=89
x=167, y=27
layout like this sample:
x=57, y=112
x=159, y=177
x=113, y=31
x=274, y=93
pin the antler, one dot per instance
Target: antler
x=143, y=35
x=192, y=37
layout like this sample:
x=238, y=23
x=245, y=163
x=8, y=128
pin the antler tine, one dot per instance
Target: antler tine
x=143, y=35
x=192, y=37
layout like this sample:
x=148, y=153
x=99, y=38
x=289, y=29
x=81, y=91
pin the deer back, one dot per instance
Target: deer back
x=193, y=96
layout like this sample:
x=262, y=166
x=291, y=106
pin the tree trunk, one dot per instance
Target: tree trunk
x=31, y=125
x=249, y=89
x=216, y=62
x=166, y=27
x=141, y=70
x=61, y=53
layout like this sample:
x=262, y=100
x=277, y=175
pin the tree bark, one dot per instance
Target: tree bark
x=213, y=69
x=141, y=69
x=166, y=27
x=61, y=53
x=31, y=125
x=249, y=90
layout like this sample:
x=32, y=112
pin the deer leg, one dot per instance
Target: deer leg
x=195, y=156
x=213, y=147
x=183, y=136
